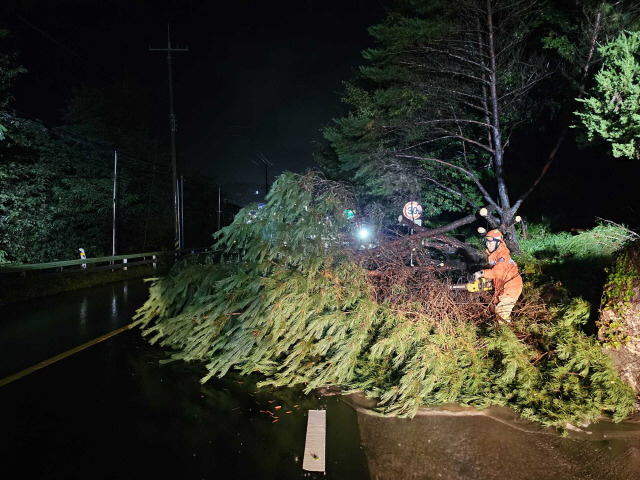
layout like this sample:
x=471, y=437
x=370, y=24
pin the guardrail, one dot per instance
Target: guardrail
x=98, y=263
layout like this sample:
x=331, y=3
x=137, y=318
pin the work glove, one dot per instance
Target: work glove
x=478, y=275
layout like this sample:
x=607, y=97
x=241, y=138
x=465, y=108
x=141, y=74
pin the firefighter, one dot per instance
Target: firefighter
x=503, y=273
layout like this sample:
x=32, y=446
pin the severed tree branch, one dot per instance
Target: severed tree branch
x=438, y=234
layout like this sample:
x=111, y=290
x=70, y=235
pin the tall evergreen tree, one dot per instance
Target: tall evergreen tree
x=612, y=111
x=448, y=85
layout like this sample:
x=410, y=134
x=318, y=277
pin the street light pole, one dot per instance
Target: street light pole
x=115, y=170
x=182, y=244
x=219, y=209
x=172, y=117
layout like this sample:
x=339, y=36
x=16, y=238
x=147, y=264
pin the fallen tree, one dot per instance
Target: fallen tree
x=292, y=300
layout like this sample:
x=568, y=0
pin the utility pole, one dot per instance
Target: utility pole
x=182, y=244
x=177, y=234
x=219, y=209
x=267, y=164
x=115, y=170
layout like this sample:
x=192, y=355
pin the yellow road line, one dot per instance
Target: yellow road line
x=66, y=354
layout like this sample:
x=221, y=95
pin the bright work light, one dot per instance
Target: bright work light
x=363, y=233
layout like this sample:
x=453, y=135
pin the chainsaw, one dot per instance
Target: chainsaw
x=479, y=285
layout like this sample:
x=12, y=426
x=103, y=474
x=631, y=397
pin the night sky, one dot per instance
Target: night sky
x=259, y=77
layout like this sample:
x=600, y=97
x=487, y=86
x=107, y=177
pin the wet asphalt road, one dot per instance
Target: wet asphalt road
x=113, y=411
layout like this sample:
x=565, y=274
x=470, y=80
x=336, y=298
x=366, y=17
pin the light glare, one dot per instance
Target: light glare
x=363, y=233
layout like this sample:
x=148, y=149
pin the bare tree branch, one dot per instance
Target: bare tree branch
x=563, y=134
x=455, y=120
x=469, y=173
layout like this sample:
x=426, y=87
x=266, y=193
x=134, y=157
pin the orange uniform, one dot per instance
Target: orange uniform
x=507, y=281
x=504, y=273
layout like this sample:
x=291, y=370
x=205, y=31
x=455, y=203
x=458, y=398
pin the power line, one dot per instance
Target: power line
x=60, y=44
x=57, y=129
x=153, y=177
x=81, y=139
x=267, y=164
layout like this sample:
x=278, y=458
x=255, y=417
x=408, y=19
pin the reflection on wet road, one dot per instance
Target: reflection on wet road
x=33, y=331
x=113, y=411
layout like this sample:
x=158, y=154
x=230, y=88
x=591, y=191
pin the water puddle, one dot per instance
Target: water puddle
x=453, y=442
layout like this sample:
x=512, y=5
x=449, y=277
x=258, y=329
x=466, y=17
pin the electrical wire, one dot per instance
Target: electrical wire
x=139, y=162
x=153, y=176
x=86, y=141
x=90, y=143
x=60, y=44
x=77, y=137
x=56, y=129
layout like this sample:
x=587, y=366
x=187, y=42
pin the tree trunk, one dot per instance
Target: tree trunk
x=511, y=239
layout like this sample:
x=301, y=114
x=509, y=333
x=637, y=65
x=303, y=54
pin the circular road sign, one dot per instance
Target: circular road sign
x=412, y=210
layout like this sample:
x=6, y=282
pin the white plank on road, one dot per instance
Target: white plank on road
x=315, y=443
